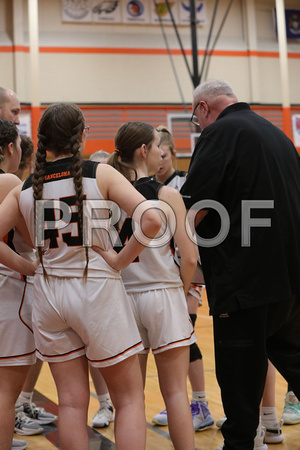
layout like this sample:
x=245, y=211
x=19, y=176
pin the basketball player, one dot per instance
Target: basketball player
x=154, y=283
x=80, y=300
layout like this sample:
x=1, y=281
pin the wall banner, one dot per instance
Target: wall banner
x=184, y=12
x=107, y=11
x=160, y=12
x=292, y=23
x=135, y=11
x=76, y=11
x=296, y=129
x=292, y=19
x=25, y=124
x=132, y=11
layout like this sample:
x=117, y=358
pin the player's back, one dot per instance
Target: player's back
x=64, y=254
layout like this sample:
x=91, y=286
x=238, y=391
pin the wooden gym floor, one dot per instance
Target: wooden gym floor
x=157, y=437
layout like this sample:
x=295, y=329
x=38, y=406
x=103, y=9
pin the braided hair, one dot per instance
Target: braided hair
x=59, y=131
x=8, y=133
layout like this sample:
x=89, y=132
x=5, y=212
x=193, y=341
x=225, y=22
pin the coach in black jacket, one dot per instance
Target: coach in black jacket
x=244, y=176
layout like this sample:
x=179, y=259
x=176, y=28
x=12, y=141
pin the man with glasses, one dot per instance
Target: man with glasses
x=247, y=172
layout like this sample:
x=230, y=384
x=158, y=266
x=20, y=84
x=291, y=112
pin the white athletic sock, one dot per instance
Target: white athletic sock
x=104, y=400
x=269, y=415
x=199, y=396
x=25, y=397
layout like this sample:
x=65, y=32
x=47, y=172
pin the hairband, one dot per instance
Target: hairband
x=118, y=151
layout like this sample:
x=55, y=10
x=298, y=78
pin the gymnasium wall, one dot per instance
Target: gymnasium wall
x=120, y=64
x=103, y=63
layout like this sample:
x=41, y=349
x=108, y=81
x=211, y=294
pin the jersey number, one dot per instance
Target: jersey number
x=71, y=239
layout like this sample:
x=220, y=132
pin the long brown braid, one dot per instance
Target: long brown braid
x=76, y=171
x=37, y=184
x=59, y=132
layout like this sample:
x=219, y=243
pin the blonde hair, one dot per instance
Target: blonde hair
x=166, y=138
x=99, y=154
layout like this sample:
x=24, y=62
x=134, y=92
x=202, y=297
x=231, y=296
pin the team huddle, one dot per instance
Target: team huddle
x=99, y=265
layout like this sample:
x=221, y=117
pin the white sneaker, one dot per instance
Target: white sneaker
x=201, y=415
x=258, y=441
x=220, y=422
x=273, y=433
x=291, y=410
x=38, y=415
x=18, y=445
x=260, y=438
x=103, y=417
x=160, y=418
x=25, y=426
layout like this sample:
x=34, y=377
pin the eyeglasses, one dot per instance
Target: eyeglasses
x=87, y=130
x=194, y=119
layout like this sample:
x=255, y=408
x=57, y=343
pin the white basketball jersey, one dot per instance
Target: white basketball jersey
x=64, y=254
x=176, y=180
x=15, y=241
x=154, y=268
